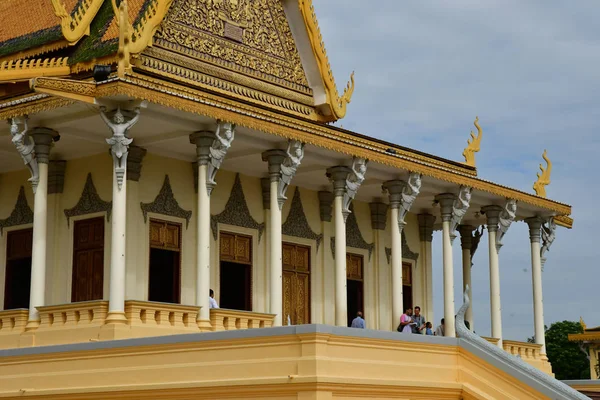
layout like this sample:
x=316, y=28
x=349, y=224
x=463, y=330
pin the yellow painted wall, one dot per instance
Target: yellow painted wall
x=377, y=289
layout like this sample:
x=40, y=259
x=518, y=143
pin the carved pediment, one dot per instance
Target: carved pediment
x=236, y=212
x=89, y=202
x=20, y=215
x=296, y=223
x=354, y=237
x=166, y=204
x=242, y=47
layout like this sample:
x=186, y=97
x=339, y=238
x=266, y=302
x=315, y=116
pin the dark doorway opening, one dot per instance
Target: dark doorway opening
x=235, y=281
x=235, y=292
x=354, y=286
x=407, y=298
x=88, y=260
x=17, y=282
x=165, y=262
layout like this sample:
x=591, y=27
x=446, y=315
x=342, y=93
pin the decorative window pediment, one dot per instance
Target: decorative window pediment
x=166, y=204
x=89, y=202
x=296, y=223
x=20, y=215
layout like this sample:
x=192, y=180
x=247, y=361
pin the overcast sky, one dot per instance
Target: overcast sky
x=531, y=71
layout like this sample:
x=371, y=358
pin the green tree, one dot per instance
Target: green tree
x=567, y=359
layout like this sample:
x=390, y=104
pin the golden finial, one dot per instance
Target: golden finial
x=124, y=38
x=544, y=178
x=582, y=324
x=473, y=145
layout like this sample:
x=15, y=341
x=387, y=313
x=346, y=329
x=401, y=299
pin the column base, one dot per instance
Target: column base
x=116, y=318
x=204, y=325
x=32, y=325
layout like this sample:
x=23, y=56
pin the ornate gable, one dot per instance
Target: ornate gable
x=241, y=48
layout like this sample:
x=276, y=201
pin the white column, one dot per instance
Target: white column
x=466, y=241
x=275, y=256
x=119, y=150
x=116, y=305
x=341, y=302
x=328, y=279
x=492, y=213
x=397, y=298
x=203, y=249
x=208, y=165
x=338, y=175
x=446, y=202
x=42, y=138
x=535, y=225
x=275, y=158
x=426, y=237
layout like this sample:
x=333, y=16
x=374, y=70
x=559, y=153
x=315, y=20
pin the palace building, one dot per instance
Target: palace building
x=158, y=150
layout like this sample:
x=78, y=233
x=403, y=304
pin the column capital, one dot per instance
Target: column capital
x=466, y=236
x=446, y=201
x=265, y=185
x=535, y=228
x=394, y=189
x=43, y=139
x=338, y=176
x=203, y=140
x=426, y=227
x=492, y=213
x=134, y=162
x=275, y=158
x=325, y=205
x=378, y=215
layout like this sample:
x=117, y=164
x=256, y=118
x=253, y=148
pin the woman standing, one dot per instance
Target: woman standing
x=406, y=322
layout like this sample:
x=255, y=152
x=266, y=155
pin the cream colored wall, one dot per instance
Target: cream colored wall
x=377, y=273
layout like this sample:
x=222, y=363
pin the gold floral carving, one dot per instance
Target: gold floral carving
x=474, y=145
x=75, y=25
x=543, y=179
x=26, y=69
x=265, y=49
x=336, y=102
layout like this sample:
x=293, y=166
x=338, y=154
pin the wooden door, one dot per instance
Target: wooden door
x=164, y=275
x=296, y=284
x=235, y=255
x=88, y=260
x=354, y=286
x=17, y=282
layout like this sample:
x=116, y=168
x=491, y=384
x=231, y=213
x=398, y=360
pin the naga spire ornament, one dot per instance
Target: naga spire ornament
x=544, y=178
x=474, y=145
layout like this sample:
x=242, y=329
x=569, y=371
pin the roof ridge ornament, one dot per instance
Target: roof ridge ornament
x=75, y=25
x=474, y=145
x=336, y=102
x=544, y=178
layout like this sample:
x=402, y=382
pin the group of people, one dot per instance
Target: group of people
x=410, y=322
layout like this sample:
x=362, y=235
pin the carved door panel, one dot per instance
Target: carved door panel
x=296, y=284
x=354, y=285
x=18, y=269
x=235, y=248
x=88, y=260
x=165, y=235
x=155, y=229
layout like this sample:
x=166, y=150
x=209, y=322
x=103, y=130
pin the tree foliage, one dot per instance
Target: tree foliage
x=567, y=359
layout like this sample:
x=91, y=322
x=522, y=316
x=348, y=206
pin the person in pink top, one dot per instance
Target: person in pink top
x=406, y=322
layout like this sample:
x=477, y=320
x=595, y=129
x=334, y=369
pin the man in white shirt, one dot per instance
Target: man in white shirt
x=212, y=303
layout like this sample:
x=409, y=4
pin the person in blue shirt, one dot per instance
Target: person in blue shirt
x=428, y=330
x=358, y=322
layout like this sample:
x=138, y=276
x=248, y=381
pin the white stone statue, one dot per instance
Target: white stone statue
x=505, y=219
x=25, y=146
x=460, y=207
x=475, y=239
x=295, y=154
x=224, y=136
x=354, y=180
x=409, y=194
x=119, y=143
x=548, y=236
